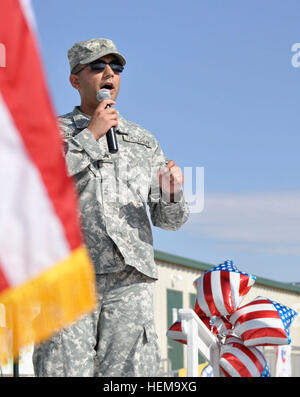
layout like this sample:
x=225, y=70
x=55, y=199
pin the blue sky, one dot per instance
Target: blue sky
x=214, y=82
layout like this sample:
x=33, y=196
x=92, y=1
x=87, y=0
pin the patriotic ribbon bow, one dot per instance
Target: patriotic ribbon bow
x=240, y=329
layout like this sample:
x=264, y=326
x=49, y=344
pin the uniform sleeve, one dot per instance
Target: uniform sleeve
x=164, y=214
x=81, y=150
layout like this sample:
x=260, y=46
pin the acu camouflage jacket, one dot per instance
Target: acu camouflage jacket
x=114, y=191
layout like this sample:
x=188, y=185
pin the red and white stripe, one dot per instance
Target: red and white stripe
x=219, y=293
x=258, y=323
x=237, y=360
x=222, y=325
x=217, y=325
x=175, y=333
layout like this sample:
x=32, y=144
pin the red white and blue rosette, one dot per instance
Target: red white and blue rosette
x=240, y=329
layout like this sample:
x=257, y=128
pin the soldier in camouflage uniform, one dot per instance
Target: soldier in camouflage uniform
x=118, y=338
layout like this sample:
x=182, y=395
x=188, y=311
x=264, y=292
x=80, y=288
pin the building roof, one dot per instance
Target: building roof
x=191, y=263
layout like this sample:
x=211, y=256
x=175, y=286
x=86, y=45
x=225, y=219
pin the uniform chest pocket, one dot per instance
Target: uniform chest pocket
x=83, y=178
x=137, y=159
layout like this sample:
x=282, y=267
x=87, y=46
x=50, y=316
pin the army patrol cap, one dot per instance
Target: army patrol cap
x=88, y=51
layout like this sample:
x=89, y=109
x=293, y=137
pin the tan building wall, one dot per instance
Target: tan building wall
x=181, y=277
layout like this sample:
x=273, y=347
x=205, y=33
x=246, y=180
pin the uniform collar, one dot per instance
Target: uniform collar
x=82, y=120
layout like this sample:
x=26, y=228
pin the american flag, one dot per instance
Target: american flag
x=237, y=360
x=44, y=263
x=221, y=290
x=263, y=322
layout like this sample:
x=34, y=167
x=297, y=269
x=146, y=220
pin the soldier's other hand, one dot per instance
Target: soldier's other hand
x=171, y=178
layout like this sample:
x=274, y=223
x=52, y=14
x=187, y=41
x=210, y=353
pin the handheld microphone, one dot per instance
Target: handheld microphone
x=111, y=134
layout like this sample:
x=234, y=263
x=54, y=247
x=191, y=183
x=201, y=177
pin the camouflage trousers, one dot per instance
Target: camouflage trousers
x=117, y=339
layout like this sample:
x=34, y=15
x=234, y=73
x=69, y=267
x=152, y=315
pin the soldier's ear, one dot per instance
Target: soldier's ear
x=74, y=80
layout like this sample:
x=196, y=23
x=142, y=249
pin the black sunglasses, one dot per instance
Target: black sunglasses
x=99, y=66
